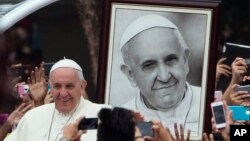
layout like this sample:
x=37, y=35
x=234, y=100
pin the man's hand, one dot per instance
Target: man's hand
x=239, y=97
x=222, y=69
x=38, y=85
x=180, y=137
x=48, y=98
x=205, y=137
x=18, y=113
x=160, y=133
x=71, y=131
x=239, y=69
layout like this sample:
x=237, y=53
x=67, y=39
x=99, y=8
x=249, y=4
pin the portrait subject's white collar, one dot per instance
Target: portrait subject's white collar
x=179, y=113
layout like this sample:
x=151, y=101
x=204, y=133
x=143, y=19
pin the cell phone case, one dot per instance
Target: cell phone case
x=240, y=112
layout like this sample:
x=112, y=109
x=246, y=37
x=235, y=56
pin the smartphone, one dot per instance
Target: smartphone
x=88, y=124
x=23, y=89
x=243, y=88
x=240, y=112
x=145, y=128
x=47, y=66
x=219, y=114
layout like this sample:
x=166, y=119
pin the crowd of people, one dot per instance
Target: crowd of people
x=51, y=110
x=59, y=118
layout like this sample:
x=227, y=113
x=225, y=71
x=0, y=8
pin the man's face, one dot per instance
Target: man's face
x=66, y=89
x=158, y=66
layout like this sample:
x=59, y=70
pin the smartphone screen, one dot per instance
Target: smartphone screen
x=145, y=128
x=219, y=114
x=88, y=123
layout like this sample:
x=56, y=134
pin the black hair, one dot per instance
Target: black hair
x=116, y=124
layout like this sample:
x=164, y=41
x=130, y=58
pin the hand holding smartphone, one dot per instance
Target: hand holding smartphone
x=243, y=88
x=88, y=124
x=23, y=89
x=219, y=114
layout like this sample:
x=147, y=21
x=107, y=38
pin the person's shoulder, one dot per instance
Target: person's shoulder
x=97, y=105
x=43, y=109
x=91, y=109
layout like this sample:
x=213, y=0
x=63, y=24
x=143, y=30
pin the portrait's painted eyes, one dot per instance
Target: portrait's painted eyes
x=171, y=59
x=148, y=66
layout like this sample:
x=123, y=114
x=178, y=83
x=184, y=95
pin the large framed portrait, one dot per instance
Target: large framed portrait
x=158, y=57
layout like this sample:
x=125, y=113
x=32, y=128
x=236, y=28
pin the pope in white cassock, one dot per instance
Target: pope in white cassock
x=46, y=123
x=156, y=62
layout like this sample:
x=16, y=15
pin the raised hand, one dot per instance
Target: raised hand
x=180, y=136
x=239, y=69
x=38, y=85
x=222, y=69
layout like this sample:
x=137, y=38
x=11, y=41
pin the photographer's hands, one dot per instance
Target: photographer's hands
x=71, y=132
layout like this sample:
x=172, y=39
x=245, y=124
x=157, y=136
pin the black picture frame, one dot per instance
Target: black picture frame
x=106, y=78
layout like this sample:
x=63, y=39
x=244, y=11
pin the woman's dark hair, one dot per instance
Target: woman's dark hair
x=116, y=124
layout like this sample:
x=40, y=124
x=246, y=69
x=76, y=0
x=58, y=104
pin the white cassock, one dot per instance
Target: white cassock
x=186, y=113
x=37, y=124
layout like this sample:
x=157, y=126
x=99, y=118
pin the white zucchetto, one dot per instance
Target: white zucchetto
x=143, y=23
x=67, y=63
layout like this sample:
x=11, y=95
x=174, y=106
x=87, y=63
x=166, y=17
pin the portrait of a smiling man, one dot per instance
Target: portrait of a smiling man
x=156, y=66
x=155, y=59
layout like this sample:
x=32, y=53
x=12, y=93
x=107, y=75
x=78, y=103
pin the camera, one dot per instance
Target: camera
x=145, y=128
x=240, y=112
x=23, y=89
x=88, y=123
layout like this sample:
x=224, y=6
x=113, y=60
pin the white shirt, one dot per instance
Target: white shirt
x=36, y=123
x=186, y=113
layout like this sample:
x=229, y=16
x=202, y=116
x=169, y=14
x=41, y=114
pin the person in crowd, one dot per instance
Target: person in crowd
x=155, y=59
x=224, y=132
x=33, y=97
x=239, y=69
x=120, y=124
x=47, y=121
x=13, y=119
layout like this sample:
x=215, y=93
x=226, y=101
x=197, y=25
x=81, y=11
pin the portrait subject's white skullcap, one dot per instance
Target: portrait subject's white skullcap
x=143, y=23
x=68, y=63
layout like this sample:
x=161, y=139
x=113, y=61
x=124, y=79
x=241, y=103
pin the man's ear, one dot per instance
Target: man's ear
x=186, y=59
x=83, y=84
x=127, y=71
